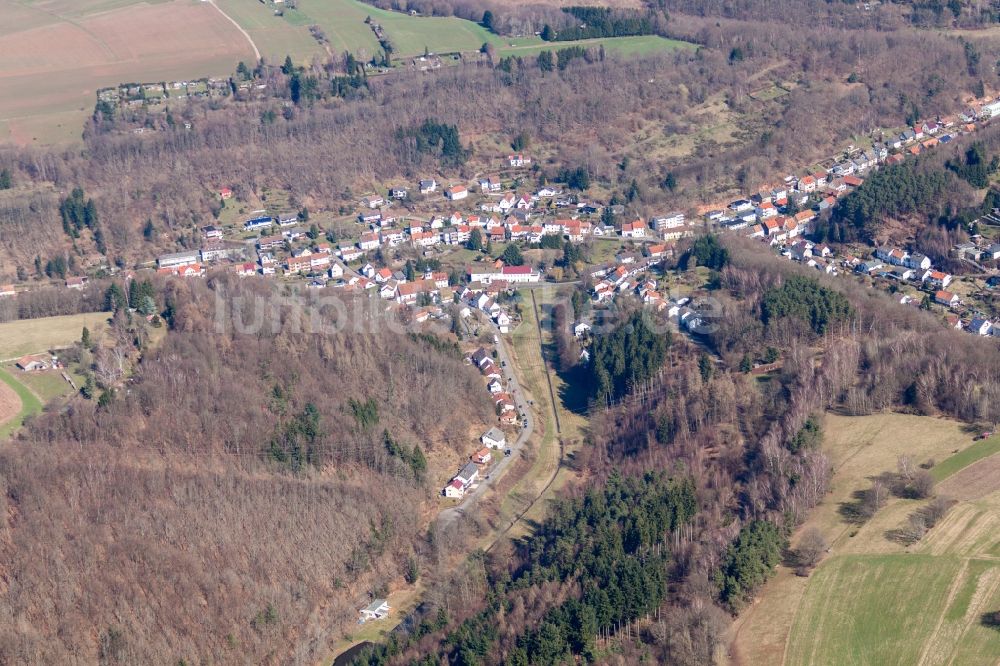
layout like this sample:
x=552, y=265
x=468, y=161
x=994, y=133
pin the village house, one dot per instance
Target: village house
x=482, y=456
x=468, y=475
x=494, y=438
x=225, y=193
x=518, y=274
x=428, y=186
x=504, y=403
x=454, y=489
x=936, y=279
x=636, y=229
x=518, y=161
x=946, y=298
x=668, y=221
x=393, y=237
x=894, y=256
x=77, y=283
x=216, y=251
x=369, y=241
x=980, y=326
x=270, y=242
x=765, y=210
x=258, y=223
x=917, y=262
x=456, y=192
x=245, y=269
x=409, y=292
x=188, y=270
x=349, y=253
x=297, y=264
x=211, y=232
x=376, y=610
x=7, y=290
x=398, y=193
x=490, y=184
x=373, y=200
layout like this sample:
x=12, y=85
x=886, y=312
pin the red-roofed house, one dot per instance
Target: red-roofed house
x=635, y=229
x=456, y=192
x=946, y=298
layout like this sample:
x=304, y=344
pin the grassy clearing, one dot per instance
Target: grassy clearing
x=977, y=451
x=871, y=610
x=343, y=21
x=860, y=448
x=29, y=336
x=528, y=361
x=528, y=352
x=30, y=404
x=402, y=602
x=47, y=385
x=627, y=46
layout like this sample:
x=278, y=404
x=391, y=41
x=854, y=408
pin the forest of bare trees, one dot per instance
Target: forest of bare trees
x=204, y=514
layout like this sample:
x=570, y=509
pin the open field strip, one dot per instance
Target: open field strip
x=30, y=336
x=28, y=404
x=867, y=581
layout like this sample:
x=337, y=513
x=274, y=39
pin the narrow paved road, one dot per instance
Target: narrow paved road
x=449, y=516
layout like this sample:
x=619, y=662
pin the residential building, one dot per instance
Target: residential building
x=376, y=610
x=494, y=438
x=177, y=259
x=456, y=192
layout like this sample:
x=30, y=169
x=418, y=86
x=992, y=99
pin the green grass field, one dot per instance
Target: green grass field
x=962, y=459
x=628, y=46
x=30, y=404
x=876, y=601
x=894, y=609
x=29, y=336
x=47, y=385
x=873, y=600
x=343, y=22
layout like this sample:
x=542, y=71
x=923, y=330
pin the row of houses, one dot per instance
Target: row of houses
x=621, y=278
x=492, y=439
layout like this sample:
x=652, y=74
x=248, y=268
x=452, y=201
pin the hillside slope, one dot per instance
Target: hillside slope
x=237, y=505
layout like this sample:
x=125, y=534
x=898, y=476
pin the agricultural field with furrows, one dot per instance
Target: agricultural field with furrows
x=874, y=600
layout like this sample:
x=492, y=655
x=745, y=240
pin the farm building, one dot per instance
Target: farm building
x=35, y=362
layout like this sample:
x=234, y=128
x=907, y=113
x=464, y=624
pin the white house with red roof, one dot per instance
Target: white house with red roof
x=636, y=229
x=456, y=192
